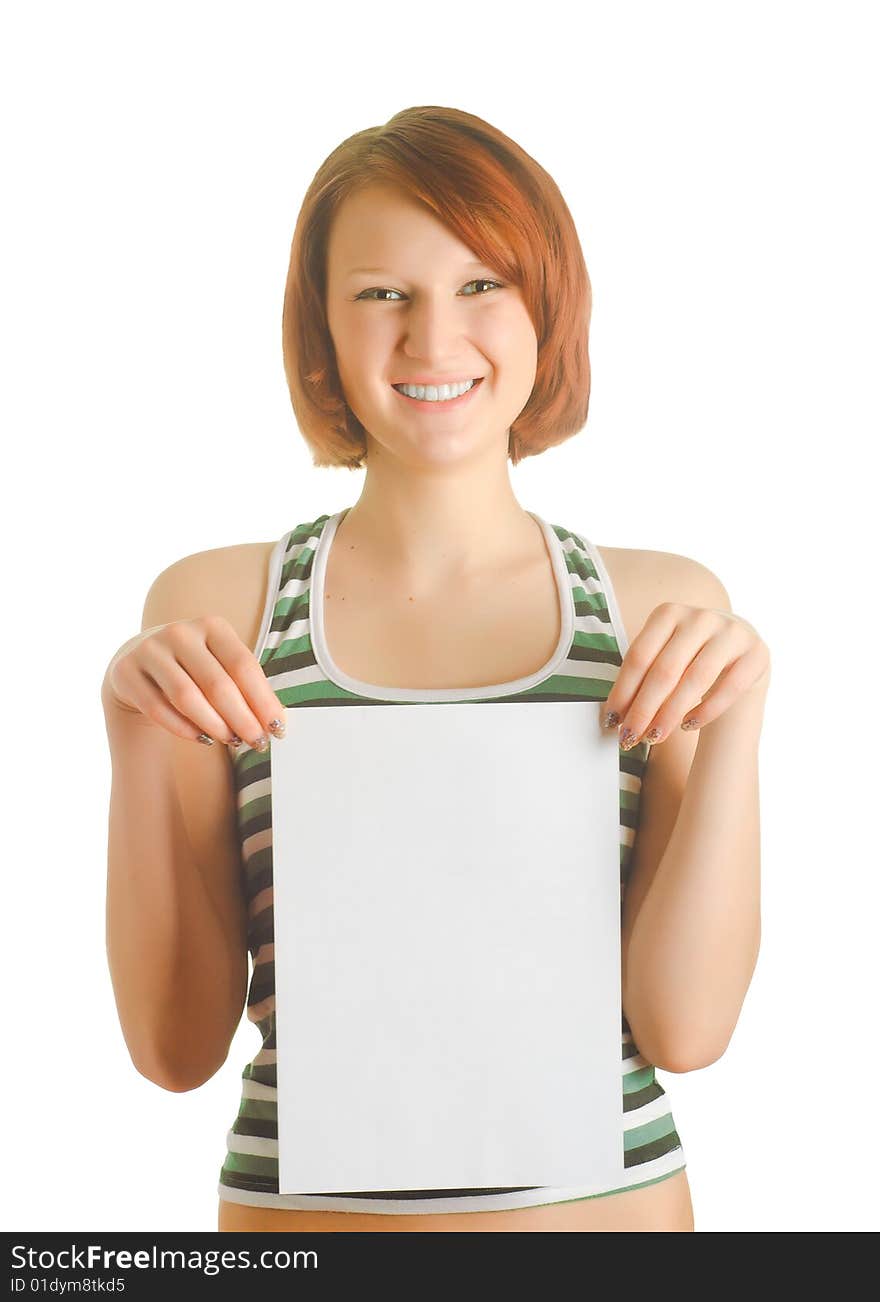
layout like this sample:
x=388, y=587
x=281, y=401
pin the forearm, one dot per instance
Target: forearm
x=695, y=941
x=169, y=957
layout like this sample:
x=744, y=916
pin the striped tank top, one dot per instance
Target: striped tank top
x=293, y=653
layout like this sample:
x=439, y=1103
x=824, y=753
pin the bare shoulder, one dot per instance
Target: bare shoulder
x=644, y=579
x=230, y=581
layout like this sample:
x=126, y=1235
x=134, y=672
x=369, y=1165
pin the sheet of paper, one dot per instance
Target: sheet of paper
x=447, y=947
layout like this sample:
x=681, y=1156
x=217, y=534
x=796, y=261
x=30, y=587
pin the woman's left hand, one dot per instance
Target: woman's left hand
x=685, y=668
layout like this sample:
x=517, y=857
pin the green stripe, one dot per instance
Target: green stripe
x=259, y=1109
x=250, y=1164
x=638, y=1135
x=637, y=1080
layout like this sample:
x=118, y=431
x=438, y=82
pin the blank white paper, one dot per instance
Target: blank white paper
x=447, y=947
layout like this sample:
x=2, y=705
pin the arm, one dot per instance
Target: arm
x=691, y=924
x=175, y=936
x=176, y=924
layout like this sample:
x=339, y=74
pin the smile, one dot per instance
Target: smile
x=446, y=396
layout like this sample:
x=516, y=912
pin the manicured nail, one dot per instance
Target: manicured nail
x=654, y=735
x=277, y=727
x=260, y=744
x=234, y=741
x=627, y=739
x=690, y=723
x=205, y=739
x=612, y=719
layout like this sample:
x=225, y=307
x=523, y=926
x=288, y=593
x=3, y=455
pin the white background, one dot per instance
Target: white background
x=720, y=166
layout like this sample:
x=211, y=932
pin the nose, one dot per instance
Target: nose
x=435, y=328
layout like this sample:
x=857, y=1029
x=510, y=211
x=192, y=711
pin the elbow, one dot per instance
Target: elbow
x=176, y=1077
x=680, y=1056
x=677, y=1050
x=181, y=1084
x=682, y=1044
x=692, y=1048
x=167, y=1079
x=691, y=1051
x=681, y=1062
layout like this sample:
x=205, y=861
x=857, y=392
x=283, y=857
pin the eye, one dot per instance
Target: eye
x=483, y=282
x=367, y=293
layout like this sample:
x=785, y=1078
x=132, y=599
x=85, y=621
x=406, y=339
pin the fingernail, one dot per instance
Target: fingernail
x=277, y=727
x=627, y=739
x=690, y=723
x=205, y=739
x=234, y=741
x=260, y=744
x=612, y=719
x=654, y=735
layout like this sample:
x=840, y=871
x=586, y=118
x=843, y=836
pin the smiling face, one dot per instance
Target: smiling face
x=407, y=301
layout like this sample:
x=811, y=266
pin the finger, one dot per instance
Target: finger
x=200, y=687
x=151, y=701
x=691, y=695
x=643, y=651
x=736, y=680
x=681, y=675
x=185, y=695
x=248, y=674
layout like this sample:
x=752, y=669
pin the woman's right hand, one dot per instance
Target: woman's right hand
x=196, y=679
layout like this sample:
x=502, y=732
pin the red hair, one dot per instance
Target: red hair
x=503, y=206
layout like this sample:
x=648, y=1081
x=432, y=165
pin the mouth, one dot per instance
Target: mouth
x=438, y=403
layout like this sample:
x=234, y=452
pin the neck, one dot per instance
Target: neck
x=438, y=535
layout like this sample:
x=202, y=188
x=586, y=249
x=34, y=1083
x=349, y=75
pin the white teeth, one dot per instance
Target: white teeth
x=434, y=393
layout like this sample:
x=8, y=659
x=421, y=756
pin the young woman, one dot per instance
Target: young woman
x=435, y=327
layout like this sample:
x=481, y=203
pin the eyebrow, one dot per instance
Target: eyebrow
x=382, y=271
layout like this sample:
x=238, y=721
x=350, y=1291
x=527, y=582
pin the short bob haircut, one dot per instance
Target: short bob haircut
x=504, y=207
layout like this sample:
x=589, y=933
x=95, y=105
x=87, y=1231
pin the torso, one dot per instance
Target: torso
x=464, y=634
x=664, y=1206
x=385, y=637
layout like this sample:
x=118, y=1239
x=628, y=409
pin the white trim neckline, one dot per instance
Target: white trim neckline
x=374, y=691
